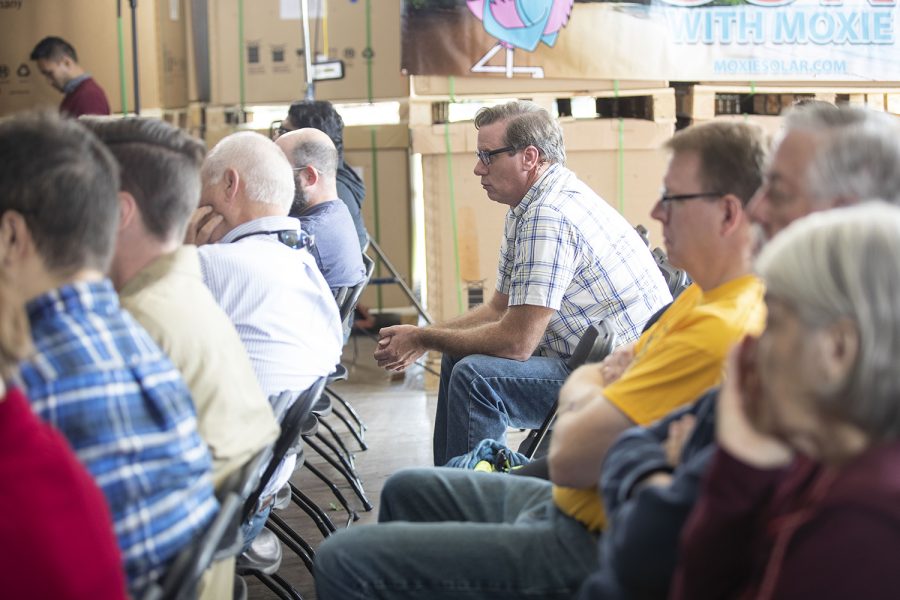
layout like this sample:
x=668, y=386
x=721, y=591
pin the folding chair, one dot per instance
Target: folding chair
x=595, y=344
x=181, y=578
x=264, y=558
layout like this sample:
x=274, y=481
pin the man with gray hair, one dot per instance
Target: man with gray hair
x=259, y=269
x=827, y=157
x=323, y=216
x=567, y=260
x=255, y=261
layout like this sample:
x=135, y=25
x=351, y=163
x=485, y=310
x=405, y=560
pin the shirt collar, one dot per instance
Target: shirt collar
x=184, y=260
x=81, y=297
x=534, y=191
x=73, y=84
x=260, y=225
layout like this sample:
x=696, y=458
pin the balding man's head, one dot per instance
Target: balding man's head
x=314, y=159
x=826, y=157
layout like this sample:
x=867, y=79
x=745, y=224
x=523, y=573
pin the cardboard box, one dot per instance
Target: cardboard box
x=593, y=153
x=91, y=27
x=273, y=48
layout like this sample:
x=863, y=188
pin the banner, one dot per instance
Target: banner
x=675, y=40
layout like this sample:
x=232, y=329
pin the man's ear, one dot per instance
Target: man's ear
x=532, y=157
x=127, y=210
x=732, y=213
x=232, y=181
x=15, y=238
x=309, y=176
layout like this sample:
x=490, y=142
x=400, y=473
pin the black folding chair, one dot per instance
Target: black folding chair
x=595, y=344
x=264, y=559
x=183, y=575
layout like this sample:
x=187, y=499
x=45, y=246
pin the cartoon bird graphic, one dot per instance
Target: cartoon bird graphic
x=519, y=24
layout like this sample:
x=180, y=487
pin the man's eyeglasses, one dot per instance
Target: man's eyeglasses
x=667, y=199
x=485, y=155
x=277, y=129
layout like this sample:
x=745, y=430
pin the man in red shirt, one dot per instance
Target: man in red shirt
x=58, y=62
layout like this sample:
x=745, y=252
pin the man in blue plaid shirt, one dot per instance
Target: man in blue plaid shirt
x=567, y=260
x=96, y=375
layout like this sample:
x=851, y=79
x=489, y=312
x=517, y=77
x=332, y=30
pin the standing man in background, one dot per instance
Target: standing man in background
x=58, y=62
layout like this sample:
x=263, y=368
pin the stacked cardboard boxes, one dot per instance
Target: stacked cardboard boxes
x=91, y=27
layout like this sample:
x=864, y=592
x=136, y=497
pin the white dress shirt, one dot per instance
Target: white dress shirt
x=278, y=301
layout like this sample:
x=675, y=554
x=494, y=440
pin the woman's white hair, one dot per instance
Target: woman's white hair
x=260, y=163
x=845, y=263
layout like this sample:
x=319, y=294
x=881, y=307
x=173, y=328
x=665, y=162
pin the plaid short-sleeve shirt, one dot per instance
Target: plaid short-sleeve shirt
x=565, y=248
x=98, y=378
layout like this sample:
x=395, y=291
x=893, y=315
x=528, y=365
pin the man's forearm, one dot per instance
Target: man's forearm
x=489, y=338
x=480, y=315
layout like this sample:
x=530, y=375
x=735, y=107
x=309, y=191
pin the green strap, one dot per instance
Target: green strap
x=368, y=51
x=241, y=55
x=449, y=153
x=123, y=91
x=373, y=149
x=620, y=162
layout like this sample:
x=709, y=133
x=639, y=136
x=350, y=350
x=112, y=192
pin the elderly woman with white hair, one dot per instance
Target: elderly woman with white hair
x=802, y=499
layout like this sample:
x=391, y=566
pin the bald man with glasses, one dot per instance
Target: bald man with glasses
x=567, y=260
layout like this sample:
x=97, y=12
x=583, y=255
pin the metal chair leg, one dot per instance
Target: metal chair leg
x=363, y=446
x=292, y=540
x=340, y=443
x=353, y=414
x=278, y=585
x=354, y=483
x=352, y=514
x=346, y=464
x=320, y=518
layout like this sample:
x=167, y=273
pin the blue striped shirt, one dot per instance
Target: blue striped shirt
x=100, y=380
x=279, y=303
x=565, y=248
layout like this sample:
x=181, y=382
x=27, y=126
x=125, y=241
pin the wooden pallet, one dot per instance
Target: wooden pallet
x=702, y=102
x=651, y=104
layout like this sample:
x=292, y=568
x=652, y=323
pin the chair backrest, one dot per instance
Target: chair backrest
x=291, y=427
x=183, y=575
x=677, y=279
x=645, y=235
x=595, y=344
x=348, y=297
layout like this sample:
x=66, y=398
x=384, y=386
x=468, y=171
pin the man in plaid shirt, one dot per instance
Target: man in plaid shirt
x=567, y=260
x=96, y=375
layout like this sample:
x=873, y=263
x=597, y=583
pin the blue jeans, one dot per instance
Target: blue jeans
x=453, y=533
x=480, y=396
x=251, y=528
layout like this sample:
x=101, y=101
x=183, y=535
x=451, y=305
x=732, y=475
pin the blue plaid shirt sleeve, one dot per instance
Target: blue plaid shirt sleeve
x=104, y=384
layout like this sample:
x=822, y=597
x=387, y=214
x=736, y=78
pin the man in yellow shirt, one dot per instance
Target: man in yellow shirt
x=448, y=533
x=707, y=233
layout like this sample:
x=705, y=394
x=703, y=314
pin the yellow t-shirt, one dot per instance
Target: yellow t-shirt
x=681, y=356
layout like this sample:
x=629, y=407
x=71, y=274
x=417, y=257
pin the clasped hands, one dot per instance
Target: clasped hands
x=399, y=347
